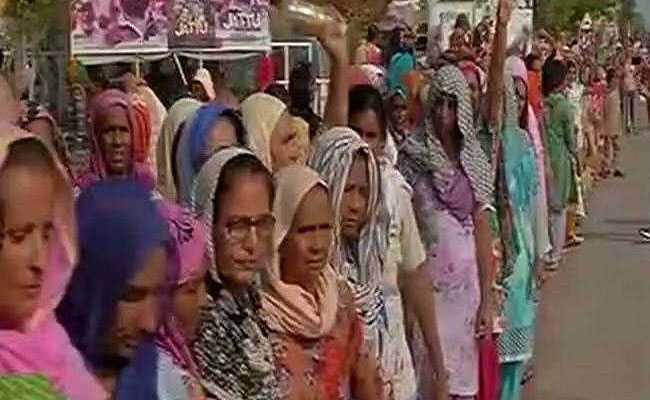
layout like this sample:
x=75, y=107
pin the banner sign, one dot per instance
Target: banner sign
x=192, y=24
x=153, y=26
x=222, y=25
x=243, y=24
x=118, y=26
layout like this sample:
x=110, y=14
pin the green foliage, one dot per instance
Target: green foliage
x=34, y=19
x=566, y=15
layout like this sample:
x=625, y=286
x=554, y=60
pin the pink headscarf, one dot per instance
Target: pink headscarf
x=100, y=104
x=42, y=346
x=188, y=250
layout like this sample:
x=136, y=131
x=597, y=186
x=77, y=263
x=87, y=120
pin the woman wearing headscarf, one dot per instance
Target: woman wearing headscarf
x=178, y=115
x=560, y=148
x=405, y=284
x=519, y=209
x=517, y=74
x=233, y=194
x=308, y=308
x=453, y=194
x=203, y=86
x=268, y=124
x=210, y=128
x=187, y=249
x=114, y=130
x=115, y=301
x=37, y=254
x=346, y=163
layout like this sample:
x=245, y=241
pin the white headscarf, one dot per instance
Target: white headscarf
x=289, y=308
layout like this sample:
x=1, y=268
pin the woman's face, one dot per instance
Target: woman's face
x=27, y=196
x=285, y=145
x=115, y=141
x=188, y=300
x=398, y=112
x=367, y=125
x=305, y=250
x=223, y=134
x=138, y=311
x=243, y=230
x=445, y=113
x=356, y=196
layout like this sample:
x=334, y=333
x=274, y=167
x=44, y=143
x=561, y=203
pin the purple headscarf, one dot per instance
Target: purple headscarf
x=119, y=225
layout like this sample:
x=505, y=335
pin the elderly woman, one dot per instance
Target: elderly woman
x=233, y=194
x=37, y=255
x=453, y=193
x=114, y=131
x=308, y=308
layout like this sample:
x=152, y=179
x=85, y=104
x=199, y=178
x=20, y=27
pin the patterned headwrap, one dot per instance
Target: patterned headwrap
x=332, y=157
x=423, y=152
x=362, y=261
x=232, y=350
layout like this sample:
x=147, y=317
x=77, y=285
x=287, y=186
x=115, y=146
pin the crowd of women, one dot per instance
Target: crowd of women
x=391, y=250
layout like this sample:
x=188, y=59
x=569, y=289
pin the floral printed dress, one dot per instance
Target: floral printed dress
x=444, y=207
x=323, y=368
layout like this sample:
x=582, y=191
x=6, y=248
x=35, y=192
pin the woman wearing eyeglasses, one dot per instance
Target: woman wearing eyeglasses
x=453, y=193
x=233, y=194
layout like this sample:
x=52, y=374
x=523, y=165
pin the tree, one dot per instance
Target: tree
x=565, y=15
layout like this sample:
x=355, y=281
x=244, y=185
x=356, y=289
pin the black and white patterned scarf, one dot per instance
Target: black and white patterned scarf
x=423, y=152
x=232, y=350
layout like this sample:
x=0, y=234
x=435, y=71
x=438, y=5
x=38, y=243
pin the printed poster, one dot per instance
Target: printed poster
x=119, y=26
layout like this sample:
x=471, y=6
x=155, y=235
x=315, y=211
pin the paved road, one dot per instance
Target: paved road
x=594, y=318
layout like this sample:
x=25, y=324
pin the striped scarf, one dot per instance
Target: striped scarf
x=362, y=261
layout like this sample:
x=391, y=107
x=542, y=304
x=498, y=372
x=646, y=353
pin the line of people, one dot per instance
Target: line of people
x=390, y=250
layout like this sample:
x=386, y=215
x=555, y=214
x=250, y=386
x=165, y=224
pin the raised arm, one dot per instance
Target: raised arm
x=494, y=96
x=335, y=42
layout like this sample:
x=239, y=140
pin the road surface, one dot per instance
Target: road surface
x=593, y=340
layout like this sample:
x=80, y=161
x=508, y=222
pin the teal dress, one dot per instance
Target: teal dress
x=520, y=183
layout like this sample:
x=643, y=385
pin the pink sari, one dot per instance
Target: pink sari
x=41, y=346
